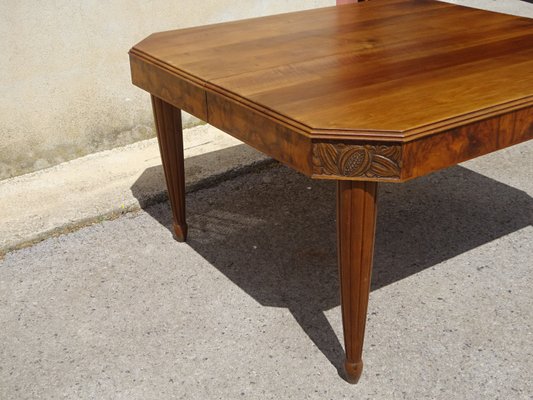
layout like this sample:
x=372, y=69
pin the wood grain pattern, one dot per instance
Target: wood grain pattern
x=515, y=128
x=442, y=150
x=356, y=225
x=285, y=143
x=173, y=88
x=378, y=70
x=393, y=73
x=170, y=139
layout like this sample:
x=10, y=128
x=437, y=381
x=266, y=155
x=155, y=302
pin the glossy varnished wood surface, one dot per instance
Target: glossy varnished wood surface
x=170, y=139
x=379, y=69
x=356, y=227
x=438, y=151
x=386, y=90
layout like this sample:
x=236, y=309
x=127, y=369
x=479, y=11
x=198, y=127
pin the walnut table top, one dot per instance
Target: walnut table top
x=403, y=74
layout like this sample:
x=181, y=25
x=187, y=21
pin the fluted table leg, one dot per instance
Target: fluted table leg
x=356, y=224
x=170, y=138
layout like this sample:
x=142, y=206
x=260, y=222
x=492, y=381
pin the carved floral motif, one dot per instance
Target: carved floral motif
x=372, y=161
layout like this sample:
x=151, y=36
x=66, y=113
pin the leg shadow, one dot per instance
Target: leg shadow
x=273, y=234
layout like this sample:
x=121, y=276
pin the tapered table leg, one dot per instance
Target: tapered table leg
x=170, y=138
x=356, y=224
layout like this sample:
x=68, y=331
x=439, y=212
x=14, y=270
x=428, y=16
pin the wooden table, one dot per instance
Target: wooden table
x=381, y=91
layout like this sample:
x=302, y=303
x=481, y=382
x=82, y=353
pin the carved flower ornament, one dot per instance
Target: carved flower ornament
x=381, y=161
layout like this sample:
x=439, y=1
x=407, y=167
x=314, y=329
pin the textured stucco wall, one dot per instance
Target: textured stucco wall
x=523, y=8
x=64, y=74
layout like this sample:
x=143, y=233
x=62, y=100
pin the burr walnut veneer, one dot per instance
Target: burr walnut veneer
x=381, y=91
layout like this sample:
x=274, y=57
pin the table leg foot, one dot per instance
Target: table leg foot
x=180, y=232
x=353, y=371
x=170, y=138
x=356, y=224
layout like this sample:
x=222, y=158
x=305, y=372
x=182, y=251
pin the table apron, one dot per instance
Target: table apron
x=336, y=158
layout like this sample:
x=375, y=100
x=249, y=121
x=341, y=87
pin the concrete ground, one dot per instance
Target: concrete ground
x=101, y=186
x=248, y=307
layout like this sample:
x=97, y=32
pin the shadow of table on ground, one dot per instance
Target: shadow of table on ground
x=273, y=234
